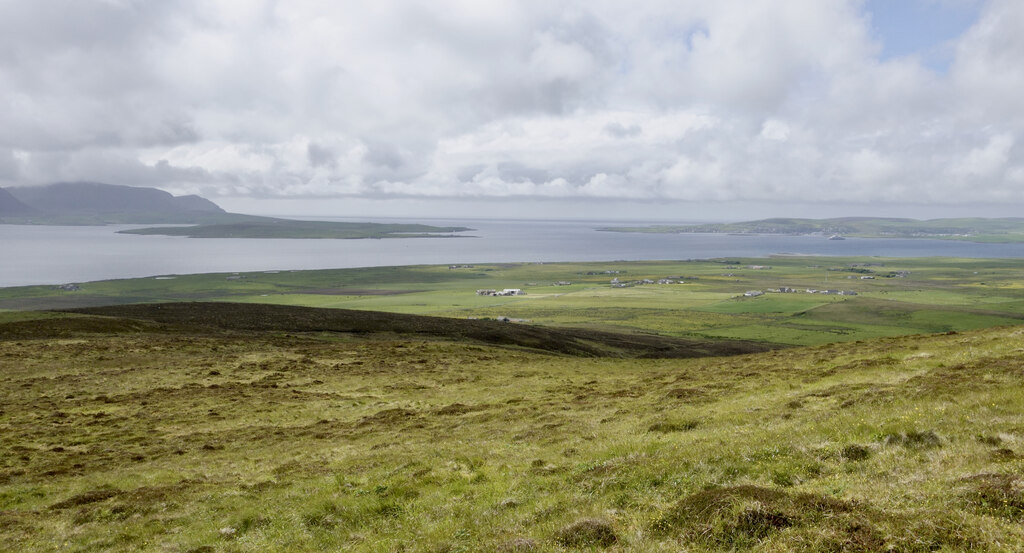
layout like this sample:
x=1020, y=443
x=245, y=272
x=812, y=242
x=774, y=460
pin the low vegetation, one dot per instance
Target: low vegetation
x=705, y=300
x=132, y=432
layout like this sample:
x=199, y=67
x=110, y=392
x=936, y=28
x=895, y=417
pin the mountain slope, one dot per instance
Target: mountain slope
x=90, y=198
x=9, y=205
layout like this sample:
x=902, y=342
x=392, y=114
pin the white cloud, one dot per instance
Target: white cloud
x=986, y=161
x=731, y=100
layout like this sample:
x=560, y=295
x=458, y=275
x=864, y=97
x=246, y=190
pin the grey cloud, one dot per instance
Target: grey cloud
x=383, y=155
x=320, y=156
x=10, y=169
x=618, y=130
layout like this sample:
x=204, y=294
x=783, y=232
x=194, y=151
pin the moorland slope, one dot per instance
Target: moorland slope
x=128, y=434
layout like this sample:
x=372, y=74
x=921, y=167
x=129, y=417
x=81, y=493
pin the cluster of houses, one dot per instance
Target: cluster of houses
x=69, y=287
x=453, y=267
x=616, y=283
x=788, y=290
x=505, y=292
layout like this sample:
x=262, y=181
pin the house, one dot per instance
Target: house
x=753, y=293
x=69, y=287
x=563, y=283
x=867, y=277
x=505, y=292
x=787, y=290
x=847, y=293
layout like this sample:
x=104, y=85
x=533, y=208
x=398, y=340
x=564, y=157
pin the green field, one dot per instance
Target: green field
x=905, y=296
x=210, y=428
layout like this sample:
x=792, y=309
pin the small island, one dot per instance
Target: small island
x=1004, y=230
x=288, y=228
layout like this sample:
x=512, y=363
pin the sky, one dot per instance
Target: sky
x=661, y=110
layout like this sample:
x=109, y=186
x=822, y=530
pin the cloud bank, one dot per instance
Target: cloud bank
x=706, y=101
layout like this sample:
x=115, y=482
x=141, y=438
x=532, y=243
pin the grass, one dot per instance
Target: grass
x=932, y=295
x=129, y=435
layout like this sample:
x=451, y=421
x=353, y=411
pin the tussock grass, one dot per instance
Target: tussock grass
x=153, y=438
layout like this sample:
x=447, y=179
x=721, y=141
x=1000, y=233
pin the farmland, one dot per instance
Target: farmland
x=894, y=296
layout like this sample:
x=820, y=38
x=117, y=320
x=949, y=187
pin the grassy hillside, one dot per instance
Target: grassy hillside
x=571, y=341
x=138, y=435
x=974, y=229
x=903, y=296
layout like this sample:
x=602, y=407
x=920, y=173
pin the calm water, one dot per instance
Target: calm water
x=56, y=254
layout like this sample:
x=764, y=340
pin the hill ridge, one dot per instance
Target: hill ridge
x=567, y=341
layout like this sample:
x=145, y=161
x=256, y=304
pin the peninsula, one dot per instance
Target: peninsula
x=1004, y=230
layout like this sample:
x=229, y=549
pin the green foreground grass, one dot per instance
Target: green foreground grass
x=138, y=437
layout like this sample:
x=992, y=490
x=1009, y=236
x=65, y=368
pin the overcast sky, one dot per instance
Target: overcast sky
x=541, y=108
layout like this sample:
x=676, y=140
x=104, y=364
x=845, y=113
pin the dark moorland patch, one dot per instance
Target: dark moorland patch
x=569, y=341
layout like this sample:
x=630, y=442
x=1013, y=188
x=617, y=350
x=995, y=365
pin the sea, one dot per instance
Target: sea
x=38, y=254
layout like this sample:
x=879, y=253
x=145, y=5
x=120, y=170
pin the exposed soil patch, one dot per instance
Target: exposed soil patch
x=91, y=496
x=459, y=409
x=387, y=417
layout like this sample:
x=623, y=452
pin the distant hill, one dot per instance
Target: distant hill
x=94, y=202
x=9, y=205
x=1008, y=230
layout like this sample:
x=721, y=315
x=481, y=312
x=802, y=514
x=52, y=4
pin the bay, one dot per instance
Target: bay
x=31, y=254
